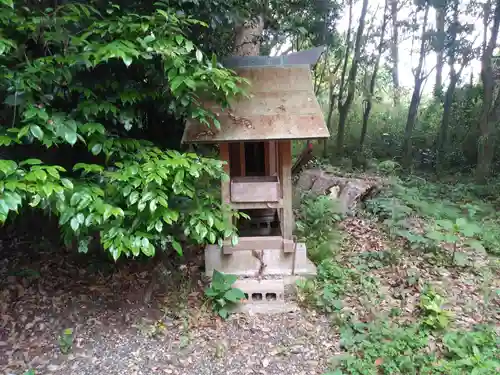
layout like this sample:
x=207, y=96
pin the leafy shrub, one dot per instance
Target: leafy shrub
x=65, y=340
x=431, y=305
x=376, y=259
x=386, y=349
x=221, y=293
x=79, y=76
x=450, y=232
x=318, y=213
x=316, y=224
x=490, y=236
x=473, y=352
x=388, y=167
x=324, y=292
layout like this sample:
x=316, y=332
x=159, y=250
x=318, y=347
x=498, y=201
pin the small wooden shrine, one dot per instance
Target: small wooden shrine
x=255, y=141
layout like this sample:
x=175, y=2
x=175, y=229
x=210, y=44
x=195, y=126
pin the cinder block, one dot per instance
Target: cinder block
x=264, y=297
x=262, y=291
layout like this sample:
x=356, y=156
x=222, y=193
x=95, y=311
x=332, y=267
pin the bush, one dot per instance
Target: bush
x=386, y=349
x=316, y=224
x=78, y=76
x=222, y=294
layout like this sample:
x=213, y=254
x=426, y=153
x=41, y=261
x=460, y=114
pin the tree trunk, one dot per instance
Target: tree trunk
x=364, y=129
x=486, y=142
x=442, y=138
x=395, y=51
x=415, y=98
x=351, y=81
x=248, y=37
x=440, y=20
x=410, y=124
x=331, y=106
x=442, y=144
x=368, y=103
x=346, y=58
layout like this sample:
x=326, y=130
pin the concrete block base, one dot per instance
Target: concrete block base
x=242, y=263
x=263, y=297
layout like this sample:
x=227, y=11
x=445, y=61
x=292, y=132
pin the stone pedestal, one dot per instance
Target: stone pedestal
x=242, y=263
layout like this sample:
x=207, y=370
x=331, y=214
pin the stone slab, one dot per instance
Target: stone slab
x=244, y=264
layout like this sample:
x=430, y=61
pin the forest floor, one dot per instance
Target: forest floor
x=376, y=277
x=115, y=332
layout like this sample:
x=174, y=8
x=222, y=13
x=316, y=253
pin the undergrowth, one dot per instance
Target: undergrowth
x=383, y=348
x=316, y=224
x=444, y=223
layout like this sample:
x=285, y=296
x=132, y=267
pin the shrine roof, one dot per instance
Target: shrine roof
x=282, y=106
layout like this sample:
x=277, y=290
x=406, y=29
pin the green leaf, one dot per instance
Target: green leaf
x=223, y=313
x=476, y=245
x=234, y=295
x=37, y=132
x=218, y=278
x=9, y=3
x=96, y=149
x=75, y=224
x=211, y=237
x=177, y=247
x=127, y=60
x=148, y=250
x=209, y=292
x=35, y=200
x=67, y=183
x=40, y=174
x=31, y=162
x=152, y=205
x=189, y=46
x=159, y=226
x=435, y=235
x=133, y=198
x=460, y=259
x=70, y=137
x=199, y=55
x=83, y=246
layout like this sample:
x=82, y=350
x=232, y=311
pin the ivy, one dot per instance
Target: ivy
x=138, y=197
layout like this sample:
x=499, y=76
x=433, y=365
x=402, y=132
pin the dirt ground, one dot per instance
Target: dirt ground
x=45, y=291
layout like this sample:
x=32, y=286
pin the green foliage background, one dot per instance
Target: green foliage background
x=86, y=88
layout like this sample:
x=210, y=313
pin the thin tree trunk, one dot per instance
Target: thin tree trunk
x=346, y=58
x=351, y=81
x=440, y=21
x=442, y=146
x=395, y=51
x=415, y=98
x=486, y=142
x=331, y=105
x=442, y=139
x=368, y=103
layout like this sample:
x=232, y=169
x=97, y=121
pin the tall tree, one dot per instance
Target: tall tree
x=460, y=52
x=440, y=6
x=419, y=78
x=489, y=116
x=345, y=106
x=395, y=50
x=371, y=90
